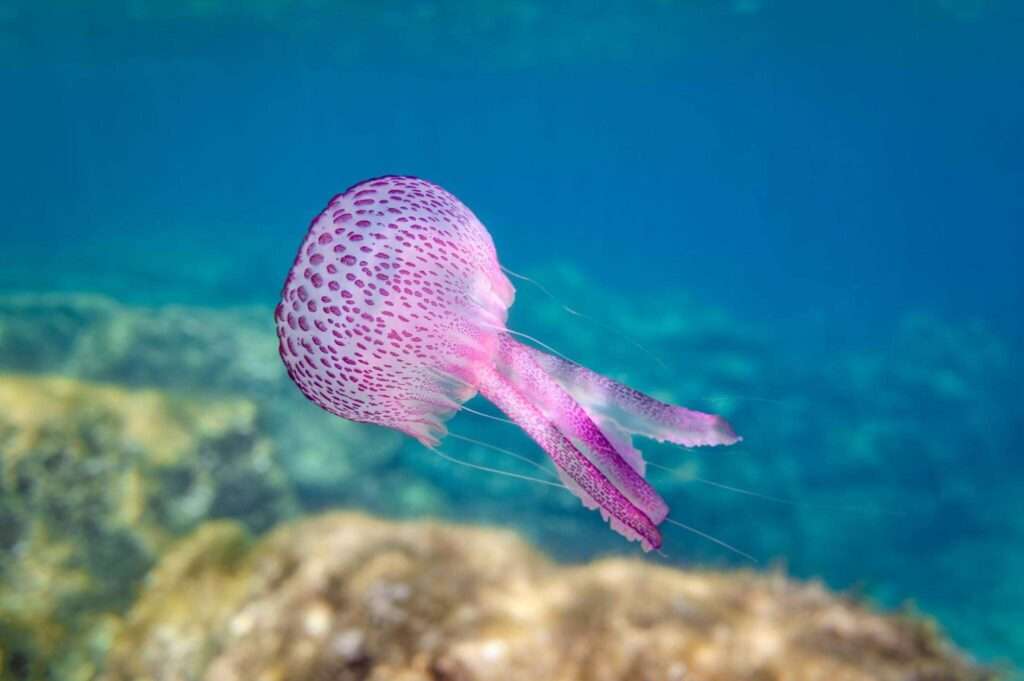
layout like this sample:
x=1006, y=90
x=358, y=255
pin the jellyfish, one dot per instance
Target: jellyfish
x=394, y=313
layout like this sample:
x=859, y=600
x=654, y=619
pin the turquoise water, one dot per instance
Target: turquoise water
x=808, y=214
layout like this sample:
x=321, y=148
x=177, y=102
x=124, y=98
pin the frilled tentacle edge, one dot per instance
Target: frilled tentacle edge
x=631, y=411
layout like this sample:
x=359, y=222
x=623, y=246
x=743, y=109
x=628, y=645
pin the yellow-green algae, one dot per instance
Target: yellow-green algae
x=95, y=481
x=348, y=596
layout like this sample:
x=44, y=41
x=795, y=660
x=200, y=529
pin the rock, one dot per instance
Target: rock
x=346, y=596
x=171, y=347
x=212, y=352
x=872, y=446
x=95, y=480
x=39, y=332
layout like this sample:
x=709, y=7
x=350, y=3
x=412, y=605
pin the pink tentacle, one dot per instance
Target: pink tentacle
x=625, y=516
x=632, y=410
x=518, y=365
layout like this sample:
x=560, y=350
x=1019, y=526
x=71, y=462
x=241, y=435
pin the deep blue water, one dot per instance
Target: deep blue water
x=822, y=169
x=788, y=163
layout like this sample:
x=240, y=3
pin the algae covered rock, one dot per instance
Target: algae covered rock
x=182, y=348
x=207, y=351
x=872, y=444
x=39, y=332
x=95, y=480
x=345, y=596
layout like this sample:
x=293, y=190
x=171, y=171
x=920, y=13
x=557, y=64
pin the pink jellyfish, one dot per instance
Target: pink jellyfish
x=394, y=313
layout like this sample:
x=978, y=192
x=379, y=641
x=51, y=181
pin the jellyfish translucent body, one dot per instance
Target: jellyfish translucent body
x=394, y=313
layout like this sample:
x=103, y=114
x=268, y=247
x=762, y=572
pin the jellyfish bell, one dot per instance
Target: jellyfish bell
x=394, y=313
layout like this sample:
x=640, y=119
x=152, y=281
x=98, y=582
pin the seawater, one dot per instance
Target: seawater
x=820, y=199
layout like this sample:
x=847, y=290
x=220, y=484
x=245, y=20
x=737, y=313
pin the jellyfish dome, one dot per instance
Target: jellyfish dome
x=394, y=312
x=393, y=306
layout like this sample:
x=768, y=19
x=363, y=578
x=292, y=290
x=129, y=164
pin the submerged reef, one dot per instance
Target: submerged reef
x=201, y=351
x=95, y=481
x=345, y=596
x=123, y=427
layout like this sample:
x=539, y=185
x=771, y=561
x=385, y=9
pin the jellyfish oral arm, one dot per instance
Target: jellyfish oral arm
x=633, y=411
x=579, y=473
x=620, y=463
x=585, y=422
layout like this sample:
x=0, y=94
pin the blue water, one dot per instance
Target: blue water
x=821, y=170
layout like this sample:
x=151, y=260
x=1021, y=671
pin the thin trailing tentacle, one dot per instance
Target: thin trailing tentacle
x=532, y=339
x=477, y=412
x=624, y=516
x=497, y=471
x=711, y=538
x=502, y=450
x=593, y=320
x=778, y=500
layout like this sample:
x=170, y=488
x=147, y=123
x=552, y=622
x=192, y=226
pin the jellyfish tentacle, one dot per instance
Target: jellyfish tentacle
x=580, y=474
x=619, y=462
x=632, y=410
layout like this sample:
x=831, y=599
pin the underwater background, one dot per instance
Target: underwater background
x=804, y=216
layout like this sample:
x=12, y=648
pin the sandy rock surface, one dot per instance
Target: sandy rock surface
x=346, y=596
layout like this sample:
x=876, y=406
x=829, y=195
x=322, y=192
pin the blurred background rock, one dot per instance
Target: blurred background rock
x=344, y=596
x=125, y=427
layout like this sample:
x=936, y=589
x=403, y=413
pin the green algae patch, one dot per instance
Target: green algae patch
x=95, y=481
